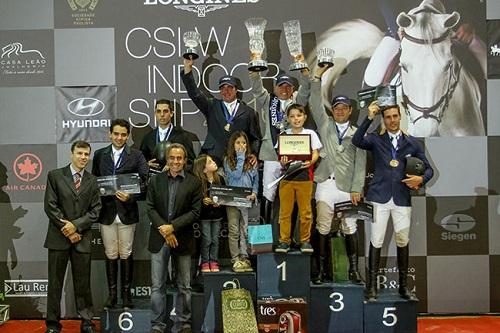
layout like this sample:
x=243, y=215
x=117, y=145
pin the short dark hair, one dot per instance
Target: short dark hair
x=165, y=101
x=296, y=106
x=80, y=144
x=176, y=145
x=390, y=107
x=119, y=122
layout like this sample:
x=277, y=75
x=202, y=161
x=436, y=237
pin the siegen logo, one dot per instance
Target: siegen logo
x=456, y=226
x=27, y=167
x=85, y=106
x=200, y=7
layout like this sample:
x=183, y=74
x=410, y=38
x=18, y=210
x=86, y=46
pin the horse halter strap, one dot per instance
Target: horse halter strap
x=445, y=98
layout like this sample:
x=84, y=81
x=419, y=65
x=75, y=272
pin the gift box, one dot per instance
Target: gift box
x=283, y=315
x=260, y=239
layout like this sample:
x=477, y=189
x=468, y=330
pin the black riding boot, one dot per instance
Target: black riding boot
x=403, y=257
x=320, y=258
x=127, y=270
x=111, y=274
x=373, y=265
x=351, y=242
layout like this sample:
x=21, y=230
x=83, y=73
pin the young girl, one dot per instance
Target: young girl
x=211, y=213
x=297, y=186
x=239, y=173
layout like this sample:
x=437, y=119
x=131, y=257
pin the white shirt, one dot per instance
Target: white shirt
x=164, y=132
x=231, y=107
x=116, y=154
x=394, y=138
x=342, y=128
x=284, y=104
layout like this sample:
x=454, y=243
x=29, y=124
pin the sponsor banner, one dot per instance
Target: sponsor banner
x=23, y=171
x=457, y=225
x=27, y=58
x=84, y=113
x=83, y=13
x=493, y=28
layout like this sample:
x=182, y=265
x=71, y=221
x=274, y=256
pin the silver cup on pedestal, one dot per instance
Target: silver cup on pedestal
x=325, y=56
x=293, y=38
x=256, y=27
x=191, y=41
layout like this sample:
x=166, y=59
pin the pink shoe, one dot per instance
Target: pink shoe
x=205, y=268
x=214, y=267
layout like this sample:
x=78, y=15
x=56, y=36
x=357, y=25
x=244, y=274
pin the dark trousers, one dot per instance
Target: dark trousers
x=80, y=269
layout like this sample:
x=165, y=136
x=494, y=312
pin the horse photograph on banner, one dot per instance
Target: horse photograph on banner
x=438, y=94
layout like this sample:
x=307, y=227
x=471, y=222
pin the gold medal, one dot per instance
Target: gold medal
x=394, y=163
x=227, y=127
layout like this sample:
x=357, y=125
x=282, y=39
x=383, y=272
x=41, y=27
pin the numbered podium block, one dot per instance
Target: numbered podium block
x=336, y=308
x=390, y=313
x=213, y=284
x=136, y=320
x=283, y=275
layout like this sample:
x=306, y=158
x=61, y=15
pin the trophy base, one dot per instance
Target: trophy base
x=257, y=65
x=325, y=64
x=190, y=54
x=297, y=66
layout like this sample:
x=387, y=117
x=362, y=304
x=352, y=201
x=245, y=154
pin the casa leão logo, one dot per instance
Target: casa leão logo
x=83, y=11
x=199, y=7
x=19, y=59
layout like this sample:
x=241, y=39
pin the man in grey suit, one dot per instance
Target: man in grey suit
x=72, y=204
x=340, y=175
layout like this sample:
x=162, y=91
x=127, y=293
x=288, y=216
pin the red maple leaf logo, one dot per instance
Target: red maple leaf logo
x=27, y=167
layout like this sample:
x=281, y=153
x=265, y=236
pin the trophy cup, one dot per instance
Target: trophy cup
x=294, y=42
x=325, y=57
x=191, y=40
x=255, y=27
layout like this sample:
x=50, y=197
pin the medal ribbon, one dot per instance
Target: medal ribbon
x=394, y=149
x=117, y=164
x=167, y=135
x=230, y=117
x=276, y=116
x=340, y=135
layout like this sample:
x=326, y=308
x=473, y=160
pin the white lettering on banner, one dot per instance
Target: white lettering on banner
x=195, y=2
x=87, y=123
x=450, y=236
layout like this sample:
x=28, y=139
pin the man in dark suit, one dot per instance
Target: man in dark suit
x=120, y=213
x=72, y=204
x=173, y=204
x=389, y=191
x=166, y=131
x=224, y=117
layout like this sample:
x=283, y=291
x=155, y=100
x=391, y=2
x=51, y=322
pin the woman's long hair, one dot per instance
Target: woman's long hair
x=198, y=166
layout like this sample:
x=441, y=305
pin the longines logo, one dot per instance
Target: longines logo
x=83, y=11
x=495, y=50
x=26, y=288
x=86, y=107
x=15, y=60
x=199, y=7
x=27, y=167
x=457, y=226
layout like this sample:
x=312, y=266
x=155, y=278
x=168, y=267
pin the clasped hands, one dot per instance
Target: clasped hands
x=69, y=231
x=167, y=231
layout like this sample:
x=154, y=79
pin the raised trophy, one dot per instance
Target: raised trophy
x=325, y=57
x=256, y=27
x=293, y=37
x=191, y=40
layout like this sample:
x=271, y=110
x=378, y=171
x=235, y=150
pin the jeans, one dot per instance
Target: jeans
x=210, y=240
x=237, y=223
x=159, y=265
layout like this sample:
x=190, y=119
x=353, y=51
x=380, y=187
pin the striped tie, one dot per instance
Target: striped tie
x=77, y=181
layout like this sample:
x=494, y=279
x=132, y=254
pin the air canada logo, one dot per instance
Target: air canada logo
x=27, y=167
x=457, y=226
x=86, y=107
x=83, y=11
x=495, y=50
x=16, y=59
x=199, y=7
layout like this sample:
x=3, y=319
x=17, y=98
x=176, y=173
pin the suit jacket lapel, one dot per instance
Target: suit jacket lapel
x=85, y=182
x=69, y=181
x=241, y=110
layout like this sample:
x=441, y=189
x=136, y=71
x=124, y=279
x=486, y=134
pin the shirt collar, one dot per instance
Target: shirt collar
x=230, y=106
x=394, y=135
x=163, y=131
x=73, y=171
x=117, y=151
x=343, y=126
x=180, y=174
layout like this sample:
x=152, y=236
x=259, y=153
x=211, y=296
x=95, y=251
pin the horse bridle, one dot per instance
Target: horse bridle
x=443, y=102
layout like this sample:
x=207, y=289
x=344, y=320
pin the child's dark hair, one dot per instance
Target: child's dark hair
x=296, y=107
x=198, y=166
x=230, y=154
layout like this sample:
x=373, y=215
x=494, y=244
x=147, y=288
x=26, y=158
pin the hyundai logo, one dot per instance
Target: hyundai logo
x=85, y=107
x=458, y=223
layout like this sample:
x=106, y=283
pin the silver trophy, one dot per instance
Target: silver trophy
x=256, y=27
x=325, y=56
x=293, y=37
x=191, y=40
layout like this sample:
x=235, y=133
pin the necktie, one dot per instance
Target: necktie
x=394, y=141
x=77, y=181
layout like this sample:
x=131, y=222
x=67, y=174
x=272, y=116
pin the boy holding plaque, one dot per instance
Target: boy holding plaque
x=298, y=185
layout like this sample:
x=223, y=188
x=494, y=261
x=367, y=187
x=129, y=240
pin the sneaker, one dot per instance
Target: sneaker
x=247, y=265
x=205, y=268
x=214, y=267
x=306, y=248
x=282, y=248
x=238, y=266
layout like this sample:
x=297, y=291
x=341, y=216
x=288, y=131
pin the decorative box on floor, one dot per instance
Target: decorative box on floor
x=287, y=315
x=118, y=320
x=336, y=308
x=283, y=275
x=4, y=313
x=390, y=313
x=213, y=285
x=260, y=239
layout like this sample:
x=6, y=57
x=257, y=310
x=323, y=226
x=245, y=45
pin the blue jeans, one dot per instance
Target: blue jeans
x=210, y=240
x=182, y=264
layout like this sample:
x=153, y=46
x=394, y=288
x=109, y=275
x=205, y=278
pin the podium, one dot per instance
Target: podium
x=336, y=308
x=390, y=314
x=136, y=320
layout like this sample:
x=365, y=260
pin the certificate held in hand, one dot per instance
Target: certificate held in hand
x=297, y=147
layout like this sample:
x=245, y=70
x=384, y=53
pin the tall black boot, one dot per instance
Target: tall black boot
x=112, y=275
x=127, y=270
x=351, y=243
x=403, y=257
x=320, y=258
x=373, y=265
x=266, y=210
